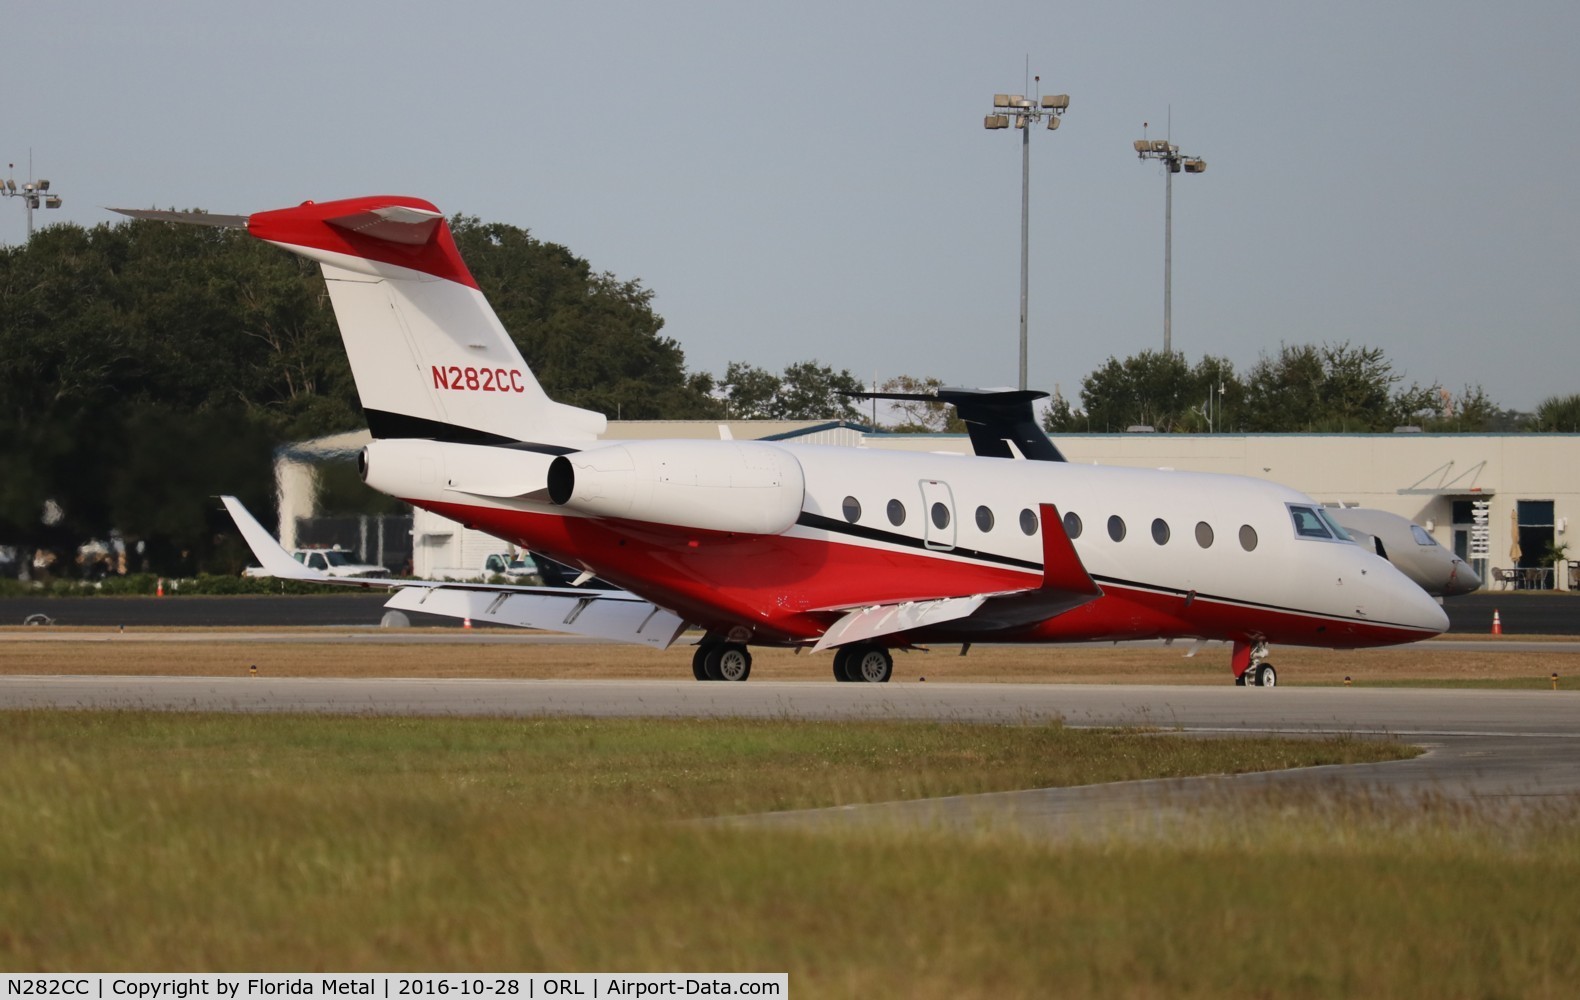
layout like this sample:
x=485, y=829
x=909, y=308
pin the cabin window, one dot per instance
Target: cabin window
x=1160, y=531
x=896, y=513
x=1421, y=537
x=1116, y=528
x=852, y=509
x=1204, y=534
x=1247, y=537
x=1072, y=524
x=1028, y=521
x=940, y=514
x=984, y=519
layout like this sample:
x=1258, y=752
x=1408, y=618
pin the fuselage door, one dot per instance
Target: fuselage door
x=938, y=515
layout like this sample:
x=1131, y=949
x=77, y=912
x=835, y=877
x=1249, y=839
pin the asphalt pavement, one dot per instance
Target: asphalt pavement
x=1522, y=612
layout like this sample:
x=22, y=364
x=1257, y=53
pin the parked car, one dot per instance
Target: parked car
x=334, y=562
x=521, y=569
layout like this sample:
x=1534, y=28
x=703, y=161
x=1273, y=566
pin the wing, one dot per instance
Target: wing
x=1065, y=586
x=616, y=615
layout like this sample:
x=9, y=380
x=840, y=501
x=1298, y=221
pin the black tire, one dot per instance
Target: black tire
x=1266, y=676
x=841, y=657
x=1240, y=680
x=729, y=662
x=872, y=664
x=699, y=668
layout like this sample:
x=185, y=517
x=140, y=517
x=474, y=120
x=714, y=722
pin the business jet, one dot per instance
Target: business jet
x=1411, y=548
x=809, y=546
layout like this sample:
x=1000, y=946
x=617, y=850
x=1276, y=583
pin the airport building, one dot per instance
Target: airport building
x=1503, y=502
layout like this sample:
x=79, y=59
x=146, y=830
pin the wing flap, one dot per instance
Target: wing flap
x=613, y=615
x=886, y=619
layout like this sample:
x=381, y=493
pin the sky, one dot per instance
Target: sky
x=812, y=180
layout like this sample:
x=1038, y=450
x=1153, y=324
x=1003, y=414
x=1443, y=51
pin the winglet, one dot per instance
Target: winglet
x=269, y=553
x=1061, y=566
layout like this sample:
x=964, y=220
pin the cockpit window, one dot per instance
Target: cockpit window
x=1314, y=522
x=1308, y=523
x=1339, y=531
x=1421, y=537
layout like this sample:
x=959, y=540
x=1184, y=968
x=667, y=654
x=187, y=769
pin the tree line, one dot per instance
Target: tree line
x=1306, y=388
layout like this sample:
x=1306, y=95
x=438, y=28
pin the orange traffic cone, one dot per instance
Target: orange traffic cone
x=160, y=590
x=1497, y=623
x=466, y=623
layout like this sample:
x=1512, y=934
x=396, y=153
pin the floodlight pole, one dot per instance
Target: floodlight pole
x=33, y=194
x=1025, y=112
x=1169, y=154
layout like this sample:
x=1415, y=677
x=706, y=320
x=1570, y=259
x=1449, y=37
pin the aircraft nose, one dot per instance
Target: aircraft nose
x=1463, y=580
x=1423, y=611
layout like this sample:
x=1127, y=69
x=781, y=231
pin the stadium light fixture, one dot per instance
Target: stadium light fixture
x=1168, y=154
x=1026, y=112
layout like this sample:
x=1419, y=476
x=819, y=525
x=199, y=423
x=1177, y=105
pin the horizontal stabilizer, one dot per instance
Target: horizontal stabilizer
x=392, y=223
x=614, y=615
x=195, y=218
x=1001, y=422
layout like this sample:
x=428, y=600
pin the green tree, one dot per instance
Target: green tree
x=1158, y=390
x=1337, y=388
x=921, y=416
x=592, y=339
x=1558, y=413
x=812, y=391
x=749, y=392
x=806, y=390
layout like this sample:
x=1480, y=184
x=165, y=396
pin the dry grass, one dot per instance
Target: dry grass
x=380, y=654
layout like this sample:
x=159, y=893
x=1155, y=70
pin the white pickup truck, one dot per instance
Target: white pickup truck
x=515, y=569
x=336, y=562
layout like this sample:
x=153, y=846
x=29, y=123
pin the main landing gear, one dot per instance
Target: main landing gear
x=721, y=661
x=863, y=662
x=1248, y=666
x=714, y=660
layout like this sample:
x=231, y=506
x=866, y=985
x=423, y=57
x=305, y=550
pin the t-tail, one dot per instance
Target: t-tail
x=430, y=358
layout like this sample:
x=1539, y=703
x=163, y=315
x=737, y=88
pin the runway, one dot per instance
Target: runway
x=1509, y=748
x=1523, y=612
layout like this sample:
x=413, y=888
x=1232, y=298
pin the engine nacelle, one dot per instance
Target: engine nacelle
x=740, y=486
x=413, y=467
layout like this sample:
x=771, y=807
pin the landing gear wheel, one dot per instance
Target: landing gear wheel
x=699, y=667
x=1240, y=680
x=872, y=664
x=729, y=661
x=1266, y=676
x=841, y=663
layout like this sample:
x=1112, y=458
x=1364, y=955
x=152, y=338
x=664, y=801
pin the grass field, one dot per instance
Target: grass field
x=179, y=841
x=171, y=842
x=104, y=651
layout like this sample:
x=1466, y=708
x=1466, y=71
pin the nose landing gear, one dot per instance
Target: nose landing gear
x=1248, y=666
